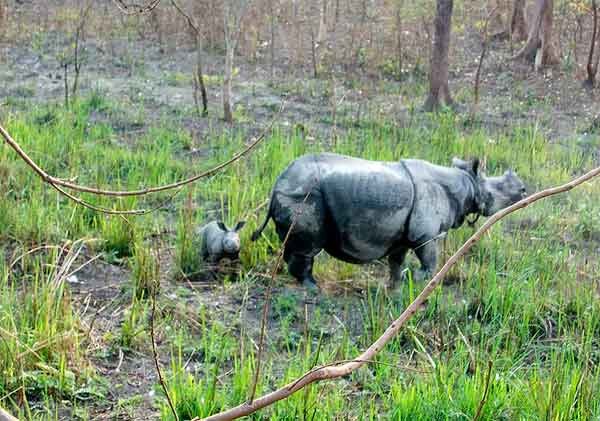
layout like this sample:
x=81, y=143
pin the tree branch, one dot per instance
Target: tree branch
x=136, y=9
x=55, y=182
x=191, y=22
x=329, y=372
x=5, y=416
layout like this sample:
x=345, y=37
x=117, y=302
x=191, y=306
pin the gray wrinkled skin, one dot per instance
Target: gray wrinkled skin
x=218, y=242
x=359, y=210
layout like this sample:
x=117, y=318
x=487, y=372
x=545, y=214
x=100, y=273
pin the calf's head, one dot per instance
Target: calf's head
x=231, y=237
x=493, y=193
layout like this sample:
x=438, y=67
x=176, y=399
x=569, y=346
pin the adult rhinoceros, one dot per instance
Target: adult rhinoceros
x=359, y=210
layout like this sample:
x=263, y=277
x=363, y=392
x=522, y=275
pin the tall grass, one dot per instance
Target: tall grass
x=41, y=358
x=525, y=298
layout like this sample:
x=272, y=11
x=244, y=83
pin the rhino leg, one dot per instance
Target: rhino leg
x=427, y=255
x=305, y=218
x=300, y=250
x=396, y=261
x=300, y=267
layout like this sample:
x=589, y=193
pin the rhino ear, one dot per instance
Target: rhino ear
x=239, y=226
x=222, y=226
x=475, y=166
x=460, y=163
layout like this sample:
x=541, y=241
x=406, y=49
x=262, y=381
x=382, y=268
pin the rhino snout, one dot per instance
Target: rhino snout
x=502, y=192
x=231, y=244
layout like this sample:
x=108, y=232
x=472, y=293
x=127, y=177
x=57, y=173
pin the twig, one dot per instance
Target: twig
x=340, y=362
x=5, y=416
x=121, y=355
x=265, y=313
x=481, y=57
x=187, y=17
x=155, y=356
x=485, y=392
x=56, y=182
x=393, y=329
x=197, y=75
x=33, y=250
x=136, y=9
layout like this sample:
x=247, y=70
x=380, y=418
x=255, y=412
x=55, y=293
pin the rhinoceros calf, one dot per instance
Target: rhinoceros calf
x=359, y=210
x=218, y=242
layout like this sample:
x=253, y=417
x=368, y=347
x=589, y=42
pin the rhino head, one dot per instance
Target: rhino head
x=231, y=237
x=494, y=193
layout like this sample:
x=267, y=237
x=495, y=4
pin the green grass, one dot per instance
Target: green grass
x=525, y=297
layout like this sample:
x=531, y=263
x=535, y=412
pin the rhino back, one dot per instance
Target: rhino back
x=299, y=178
x=367, y=202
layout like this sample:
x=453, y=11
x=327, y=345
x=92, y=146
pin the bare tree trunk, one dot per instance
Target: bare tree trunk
x=198, y=73
x=65, y=71
x=484, y=47
x=518, y=24
x=199, y=78
x=539, y=47
x=227, y=75
x=399, y=46
x=336, y=15
x=496, y=25
x=272, y=44
x=322, y=23
x=233, y=11
x=597, y=55
x=3, y=17
x=313, y=51
x=592, y=69
x=154, y=18
x=439, y=92
x=79, y=38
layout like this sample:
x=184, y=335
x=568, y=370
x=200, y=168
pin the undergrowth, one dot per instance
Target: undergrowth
x=525, y=299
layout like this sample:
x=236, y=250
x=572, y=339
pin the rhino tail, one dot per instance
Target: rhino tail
x=256, y=234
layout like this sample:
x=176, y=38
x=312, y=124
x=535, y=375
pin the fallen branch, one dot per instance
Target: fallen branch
x=5, y=416
x=332, y=372
x=85, y=189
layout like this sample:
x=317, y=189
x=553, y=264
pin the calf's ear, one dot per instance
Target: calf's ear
x=222, y=226
x=470, y=166
x=460, y=164
x=239, y=225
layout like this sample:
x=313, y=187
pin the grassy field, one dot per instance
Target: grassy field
x=524, y=302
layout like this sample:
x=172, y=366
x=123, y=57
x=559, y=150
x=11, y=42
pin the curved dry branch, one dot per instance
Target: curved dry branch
x=191, y=22
x=136, y=9
x=5, y=416
x=86, y=189
x=329, y=372
x=108, y=211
